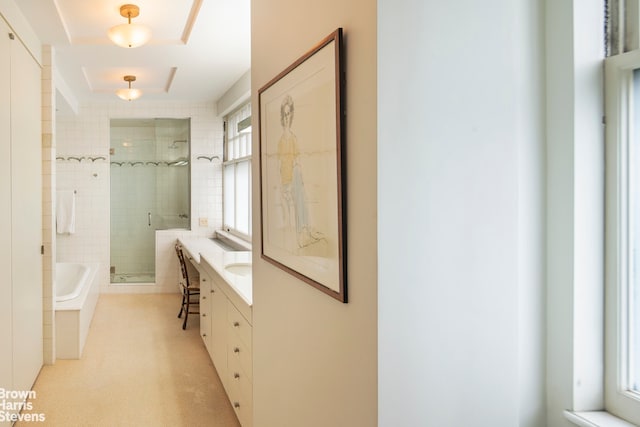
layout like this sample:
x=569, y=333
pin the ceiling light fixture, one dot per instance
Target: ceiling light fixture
x=129, y=94
x=129, y=35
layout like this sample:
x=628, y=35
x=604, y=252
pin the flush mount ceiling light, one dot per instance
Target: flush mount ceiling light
x=129, y=35
x=129, y=94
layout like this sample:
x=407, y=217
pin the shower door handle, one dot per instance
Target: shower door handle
x=149, y=216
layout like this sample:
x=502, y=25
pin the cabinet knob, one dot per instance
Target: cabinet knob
x=204, y=335
x=236, y=405
x=204, y=297
x=236, y=375
x=212, y=291
x=236, y=324
x=204, y=314
x=204, y=280
x=236, y=350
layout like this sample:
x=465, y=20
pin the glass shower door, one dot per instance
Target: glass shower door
x=149, y=191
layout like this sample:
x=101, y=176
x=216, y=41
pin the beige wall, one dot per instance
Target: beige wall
x=315, y=359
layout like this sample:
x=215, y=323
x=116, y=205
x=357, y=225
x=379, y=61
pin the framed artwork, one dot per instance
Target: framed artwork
x=302, y=169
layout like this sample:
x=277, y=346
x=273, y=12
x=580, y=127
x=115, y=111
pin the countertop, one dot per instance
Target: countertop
x=203, y=249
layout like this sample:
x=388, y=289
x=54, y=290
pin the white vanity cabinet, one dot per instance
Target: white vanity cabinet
x=213, y=320
x=226, y=321
x=218, y=350
x=205, y=310
x=230, y=350
x=239, y=364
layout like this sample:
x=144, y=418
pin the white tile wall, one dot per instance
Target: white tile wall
x=167, y=270
x=88, y=134
x=48, y=217
x=90, y=242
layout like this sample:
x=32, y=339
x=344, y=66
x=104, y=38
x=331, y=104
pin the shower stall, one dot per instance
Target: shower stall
x=149, y=191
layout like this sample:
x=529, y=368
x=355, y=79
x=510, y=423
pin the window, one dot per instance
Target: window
x=237, y=173
x=622, y=312
x=630, y=289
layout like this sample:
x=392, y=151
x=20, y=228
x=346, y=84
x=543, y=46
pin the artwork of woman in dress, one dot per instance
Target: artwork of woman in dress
x=295, y=213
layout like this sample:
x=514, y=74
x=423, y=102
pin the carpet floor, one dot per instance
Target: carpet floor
x=138, y=368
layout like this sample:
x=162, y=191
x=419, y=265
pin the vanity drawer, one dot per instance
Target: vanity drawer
x=238, y=354
x=240, y=392
x=242, y=407
x=205, y=311
x=239, y=381
x=205, y=328
x=239, y=325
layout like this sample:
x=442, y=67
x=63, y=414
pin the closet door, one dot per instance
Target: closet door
x=6, y=363
x=26, y=215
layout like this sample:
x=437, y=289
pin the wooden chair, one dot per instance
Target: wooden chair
x=189, y=287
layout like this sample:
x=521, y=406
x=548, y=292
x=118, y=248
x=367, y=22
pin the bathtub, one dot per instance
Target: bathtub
x=70, y=279
x=77, y=291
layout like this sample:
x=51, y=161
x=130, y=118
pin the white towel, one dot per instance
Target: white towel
x=66, y=212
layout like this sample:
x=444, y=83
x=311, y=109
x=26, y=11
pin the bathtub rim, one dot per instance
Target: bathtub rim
x=78, y=302
x=77, y=290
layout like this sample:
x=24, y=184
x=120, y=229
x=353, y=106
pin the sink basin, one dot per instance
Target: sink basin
x=240, y=268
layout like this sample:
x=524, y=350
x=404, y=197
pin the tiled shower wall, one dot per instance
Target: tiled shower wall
x=87, y=135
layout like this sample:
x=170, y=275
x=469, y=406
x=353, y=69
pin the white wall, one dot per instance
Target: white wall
x=236, y=95
x=87, y=134
x=315, y=358
x=461, y=213
x=575, y=207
